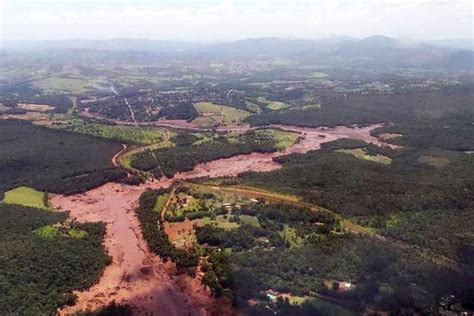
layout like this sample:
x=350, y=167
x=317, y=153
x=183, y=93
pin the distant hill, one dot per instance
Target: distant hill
x=119, y=44
x=460, y=43
x=373, y=51
x=382, y=51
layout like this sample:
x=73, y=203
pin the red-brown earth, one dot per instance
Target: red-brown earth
x=138, y=277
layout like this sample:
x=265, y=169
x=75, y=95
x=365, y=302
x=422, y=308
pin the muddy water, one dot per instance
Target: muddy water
x=138, y=277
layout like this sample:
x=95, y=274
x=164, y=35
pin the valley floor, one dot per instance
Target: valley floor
x=140, y=278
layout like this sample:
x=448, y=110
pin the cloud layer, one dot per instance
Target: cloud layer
x=226, y=19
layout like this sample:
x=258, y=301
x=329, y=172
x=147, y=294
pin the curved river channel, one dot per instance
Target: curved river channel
x=138, y=277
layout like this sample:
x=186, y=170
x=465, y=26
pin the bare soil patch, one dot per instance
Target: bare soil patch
x=35, y=107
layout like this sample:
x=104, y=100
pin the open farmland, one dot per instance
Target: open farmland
x=211, y=114
x=127, y=134
x=27, y=197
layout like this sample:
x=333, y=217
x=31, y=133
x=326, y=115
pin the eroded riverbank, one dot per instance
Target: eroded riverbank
x=137, y=276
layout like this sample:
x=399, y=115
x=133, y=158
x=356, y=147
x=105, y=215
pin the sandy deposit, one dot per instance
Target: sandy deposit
x=137, y=276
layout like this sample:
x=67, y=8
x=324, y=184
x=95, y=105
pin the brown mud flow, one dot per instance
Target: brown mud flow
x=138, y=277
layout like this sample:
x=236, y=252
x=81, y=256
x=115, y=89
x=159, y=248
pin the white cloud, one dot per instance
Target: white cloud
x=227, y=19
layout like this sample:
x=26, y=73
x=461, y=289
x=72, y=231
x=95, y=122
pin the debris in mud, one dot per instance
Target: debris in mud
x=145, y=269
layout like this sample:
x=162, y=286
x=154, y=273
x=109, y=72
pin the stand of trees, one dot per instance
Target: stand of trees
x=38, y=274
x=54, y=161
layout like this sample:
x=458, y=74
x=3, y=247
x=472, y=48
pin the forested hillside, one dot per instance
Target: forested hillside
x=53, y=161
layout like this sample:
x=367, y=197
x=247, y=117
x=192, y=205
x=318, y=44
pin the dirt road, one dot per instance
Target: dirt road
x=114, y=158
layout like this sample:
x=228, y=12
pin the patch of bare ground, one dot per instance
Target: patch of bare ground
x=138, y=277
x=35, y=107
x=181, y=234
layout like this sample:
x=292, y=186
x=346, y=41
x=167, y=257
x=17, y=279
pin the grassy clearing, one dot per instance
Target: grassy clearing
x=64, y=84
x=203, y=138
x=310, y=106
x=282, y=139
x=220, y=222
x=25, y=196
x=35, y=107
x=361, y=154
x=389, y=136
x=250, y=192
x=276, y=106
x=291, y=238
x=272, y=105
x=131, y=134
x=161, y=202
x=77, y=233
x=48, y=232
x=249, y=220
x=213, y=114
x=253, y=107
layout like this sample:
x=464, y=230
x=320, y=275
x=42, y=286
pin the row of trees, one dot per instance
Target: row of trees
x=155, y=236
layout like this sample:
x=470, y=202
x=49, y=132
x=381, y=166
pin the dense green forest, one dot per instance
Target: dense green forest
x=44, y=257
x=297, y=251
x=394, y=198
x=53, y=161
x=185, y=156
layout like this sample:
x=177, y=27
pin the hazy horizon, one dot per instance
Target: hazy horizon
x=204, y=42
x=228, y=20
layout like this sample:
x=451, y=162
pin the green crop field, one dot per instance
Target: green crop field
x=129, y=134
x=361, y=154
x=249, y=220
x=61, y=84
x=25, y=196
x=161, y=202
x=282, y=139
x=213, y=114
x=48, y=232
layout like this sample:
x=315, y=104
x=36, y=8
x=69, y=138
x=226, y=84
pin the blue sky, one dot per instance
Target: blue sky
x=213, y=20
